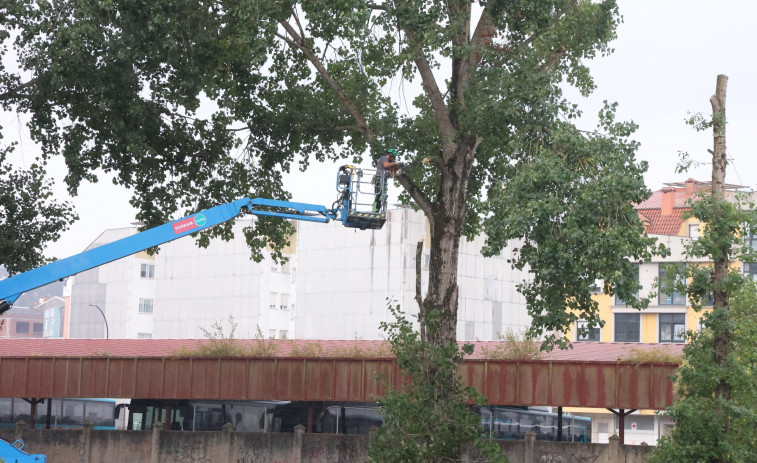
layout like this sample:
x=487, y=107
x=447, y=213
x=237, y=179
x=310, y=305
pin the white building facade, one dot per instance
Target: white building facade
x=347, y=278
x=336, y=284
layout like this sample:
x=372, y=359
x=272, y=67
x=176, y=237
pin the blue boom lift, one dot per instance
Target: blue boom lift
x=12, y=453
x=353, y=207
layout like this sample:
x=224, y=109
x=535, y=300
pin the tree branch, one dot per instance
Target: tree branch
x=434, y=94
x=553, y=60
x=298, y=42
x=418, y=196
x=419, y=279
x=482, y=38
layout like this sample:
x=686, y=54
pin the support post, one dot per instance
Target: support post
x=529, y=450
x=86, y=451
x=48, y=419
x=559, y=424
x=621, y=414
x=299, y=434
x=20, y=427
x=615, y=454
x=228, y=436
x=155, y=451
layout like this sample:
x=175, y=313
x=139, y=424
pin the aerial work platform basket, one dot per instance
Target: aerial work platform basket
x=362, y=197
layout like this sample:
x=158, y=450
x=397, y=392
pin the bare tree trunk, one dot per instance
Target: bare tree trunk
x=722, y=337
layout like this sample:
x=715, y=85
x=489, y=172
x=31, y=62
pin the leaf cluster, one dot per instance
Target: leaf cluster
x=29, y=214
x=701, y=418
x=569, y=204
x=429, y=417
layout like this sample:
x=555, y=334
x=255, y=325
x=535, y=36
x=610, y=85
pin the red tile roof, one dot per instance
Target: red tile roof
x=655, y=201
x=659, y=224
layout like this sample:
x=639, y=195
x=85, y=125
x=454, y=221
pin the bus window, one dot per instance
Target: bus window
x=6, y=413
x=100, y=414
x=210, y=417
x=360, y=420
x=486, y=423
x=247, y=418
x=73, y=411
x=505, y=424
x=21, y=411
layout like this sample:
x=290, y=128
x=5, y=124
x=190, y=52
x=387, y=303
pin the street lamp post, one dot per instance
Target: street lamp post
x=107, y=331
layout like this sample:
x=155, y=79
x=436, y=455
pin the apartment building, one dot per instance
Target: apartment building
x=668, y=315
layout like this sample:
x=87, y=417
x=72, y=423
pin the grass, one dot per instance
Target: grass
x=641, y=356
x=220, y=345
x=513, y=346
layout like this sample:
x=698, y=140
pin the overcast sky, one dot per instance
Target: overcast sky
x=667, y=57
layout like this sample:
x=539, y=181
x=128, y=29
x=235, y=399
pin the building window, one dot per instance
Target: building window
x=674, y=297
x=751, y=270
x=294, y=275
x=590, y=334
x=284, y=305
x=147, y=271
x=283, y=334
x=627, y=327
x=144, y=335
x=22, y=327
x=37, y=328
x=145, y=305
x=272, y=334
x=694, y=230
x=618, y=300
x=672, y=327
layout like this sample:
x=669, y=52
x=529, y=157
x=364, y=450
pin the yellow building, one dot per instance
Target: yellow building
x=667, y=317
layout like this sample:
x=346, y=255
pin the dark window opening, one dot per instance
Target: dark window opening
x=627, y=327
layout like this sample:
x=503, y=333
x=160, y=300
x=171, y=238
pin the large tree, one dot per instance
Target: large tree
x=119, y=85
x=30, y=217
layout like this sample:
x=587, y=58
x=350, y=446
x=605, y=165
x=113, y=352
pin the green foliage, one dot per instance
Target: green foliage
x=641, y=356
x=317, y=350
x=700, y=417
x=429, y=418
x=219, y=344
x=570, y=201
x=513, y=346
x=30, y=216
x=712, y=426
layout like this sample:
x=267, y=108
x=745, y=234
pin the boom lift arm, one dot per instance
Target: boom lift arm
x=351, y=183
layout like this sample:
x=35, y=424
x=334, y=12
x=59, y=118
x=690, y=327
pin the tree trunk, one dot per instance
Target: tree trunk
x=722, y=337
x=446, y=231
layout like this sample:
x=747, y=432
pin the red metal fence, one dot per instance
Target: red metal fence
x=503, y=382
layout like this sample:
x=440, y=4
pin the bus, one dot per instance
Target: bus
x=64, y=413
x=335, y=418
x=515, y=422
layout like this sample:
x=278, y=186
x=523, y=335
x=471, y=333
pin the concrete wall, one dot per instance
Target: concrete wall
x=157, y=446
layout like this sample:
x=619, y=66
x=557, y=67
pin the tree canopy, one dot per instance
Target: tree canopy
x=191, y=103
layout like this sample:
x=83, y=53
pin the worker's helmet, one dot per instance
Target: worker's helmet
x=391, y=152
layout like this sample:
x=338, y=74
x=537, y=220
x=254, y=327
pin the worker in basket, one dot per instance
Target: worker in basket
x=385, y=167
